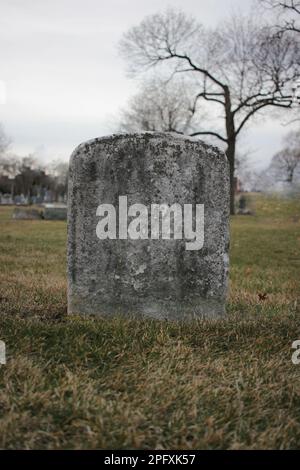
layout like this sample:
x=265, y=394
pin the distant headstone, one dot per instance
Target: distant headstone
x=6, y=199
x=148, y=234
x=24, y=213
x=55, y=212
x=243, y=208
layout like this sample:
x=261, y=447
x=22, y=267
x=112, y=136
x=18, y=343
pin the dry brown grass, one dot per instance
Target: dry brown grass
x=77, y=383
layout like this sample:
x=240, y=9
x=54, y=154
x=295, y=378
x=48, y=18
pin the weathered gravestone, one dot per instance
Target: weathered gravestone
x=55, y=211
x=24, y=213
x=148, y=227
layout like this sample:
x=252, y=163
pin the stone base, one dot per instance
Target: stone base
x=159, y=310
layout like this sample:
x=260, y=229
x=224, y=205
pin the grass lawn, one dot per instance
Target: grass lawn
x=93, y=383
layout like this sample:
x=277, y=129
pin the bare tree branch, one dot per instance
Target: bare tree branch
x=214, y=134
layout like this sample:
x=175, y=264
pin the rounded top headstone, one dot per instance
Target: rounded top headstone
x=148, y=226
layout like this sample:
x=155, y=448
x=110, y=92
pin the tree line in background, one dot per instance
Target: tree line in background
x=26, y=181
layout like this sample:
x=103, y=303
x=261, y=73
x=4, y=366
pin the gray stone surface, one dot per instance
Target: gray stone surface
x=55, y=212
x=155, y=278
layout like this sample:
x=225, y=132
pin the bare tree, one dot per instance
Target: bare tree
x=287, y=20
x=285, y=162
x=241, y=67
x=58, y=171
x=288, y=14
x=9, y=165
x=292, y=140
x=160, y=105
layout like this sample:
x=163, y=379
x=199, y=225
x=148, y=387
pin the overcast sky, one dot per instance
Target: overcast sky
x=64, y=80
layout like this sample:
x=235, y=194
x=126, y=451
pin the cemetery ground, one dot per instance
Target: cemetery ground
x=73, y=382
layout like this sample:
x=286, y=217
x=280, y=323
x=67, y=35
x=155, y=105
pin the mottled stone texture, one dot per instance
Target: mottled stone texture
x=155, y=278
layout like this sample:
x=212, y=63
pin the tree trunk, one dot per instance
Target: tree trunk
x=290, y=176
x=230, y=152
x=231, y=141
